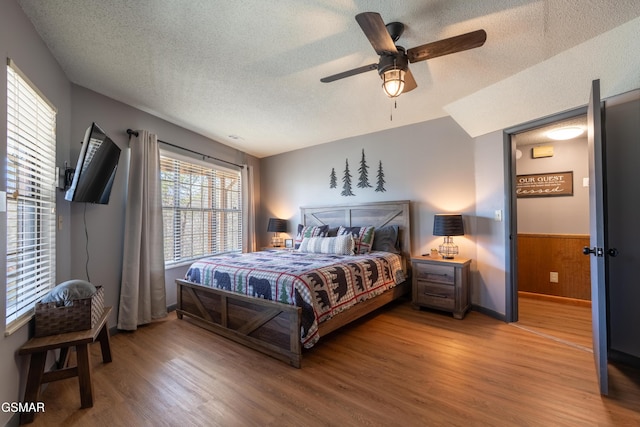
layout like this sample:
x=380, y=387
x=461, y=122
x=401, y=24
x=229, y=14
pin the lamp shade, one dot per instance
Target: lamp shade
x=448, y=225
x=277, y=225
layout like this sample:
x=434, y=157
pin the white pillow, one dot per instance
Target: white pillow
x=339, y=245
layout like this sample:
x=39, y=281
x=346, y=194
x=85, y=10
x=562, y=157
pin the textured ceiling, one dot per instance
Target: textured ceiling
x=247, y=72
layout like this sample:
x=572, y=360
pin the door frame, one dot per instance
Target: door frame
x=511, y=202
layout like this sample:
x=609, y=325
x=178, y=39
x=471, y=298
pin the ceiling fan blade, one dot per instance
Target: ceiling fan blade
x=446, y=46
x=409, y=82
x=349, y=73
x=373, y=27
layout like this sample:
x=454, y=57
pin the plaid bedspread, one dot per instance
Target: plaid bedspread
x=322, y=285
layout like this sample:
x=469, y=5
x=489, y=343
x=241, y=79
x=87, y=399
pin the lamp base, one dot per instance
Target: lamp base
x=276, y=241
x=448, y=249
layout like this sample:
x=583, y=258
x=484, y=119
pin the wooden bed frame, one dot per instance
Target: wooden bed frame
x=274, y=328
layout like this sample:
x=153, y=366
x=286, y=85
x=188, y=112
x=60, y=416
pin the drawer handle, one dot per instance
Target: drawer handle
x=428, y=275
x=435, y=295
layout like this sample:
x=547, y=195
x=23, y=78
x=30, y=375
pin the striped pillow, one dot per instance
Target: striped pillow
x=340, y=245
x=310, y=231
x=362, y=236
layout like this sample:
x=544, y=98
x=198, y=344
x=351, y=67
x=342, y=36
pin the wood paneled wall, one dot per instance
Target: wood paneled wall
x=540, y=254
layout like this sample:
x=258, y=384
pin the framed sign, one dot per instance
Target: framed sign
x=545, y=184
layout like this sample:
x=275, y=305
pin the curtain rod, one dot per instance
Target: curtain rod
x=133, y=132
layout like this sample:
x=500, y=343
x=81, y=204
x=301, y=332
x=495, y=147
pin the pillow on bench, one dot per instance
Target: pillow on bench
x=66, y=292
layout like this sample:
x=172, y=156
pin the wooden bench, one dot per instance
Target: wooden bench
x=38, y=348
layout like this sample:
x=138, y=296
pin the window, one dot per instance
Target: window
x=201, y=208
x=31, y=198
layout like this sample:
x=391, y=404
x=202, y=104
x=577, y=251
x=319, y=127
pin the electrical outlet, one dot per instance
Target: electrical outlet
x=553, y=277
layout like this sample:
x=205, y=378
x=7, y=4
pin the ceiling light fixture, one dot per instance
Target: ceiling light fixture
x=393, y=82
x=565, y=133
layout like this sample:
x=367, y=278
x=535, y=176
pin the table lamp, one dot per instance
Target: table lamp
x=276, y=225
x=448, y=225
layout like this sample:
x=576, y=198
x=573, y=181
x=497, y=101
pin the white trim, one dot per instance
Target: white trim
x=24, y=77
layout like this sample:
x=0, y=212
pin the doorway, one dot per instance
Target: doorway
x=549, y=225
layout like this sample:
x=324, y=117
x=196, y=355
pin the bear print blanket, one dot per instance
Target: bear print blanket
x=322, y=285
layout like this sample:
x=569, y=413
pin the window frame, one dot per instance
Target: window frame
x=30, y=184
x=231, y=228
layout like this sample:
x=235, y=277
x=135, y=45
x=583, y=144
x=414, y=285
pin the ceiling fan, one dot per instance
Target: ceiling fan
x=393, y=66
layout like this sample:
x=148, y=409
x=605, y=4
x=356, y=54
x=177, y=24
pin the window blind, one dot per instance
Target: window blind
x=31, y=198
x=202, y=209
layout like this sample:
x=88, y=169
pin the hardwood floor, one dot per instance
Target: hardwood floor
x=398, y=366
x=568, y=323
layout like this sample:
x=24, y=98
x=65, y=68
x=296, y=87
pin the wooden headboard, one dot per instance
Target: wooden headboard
x=377, y=214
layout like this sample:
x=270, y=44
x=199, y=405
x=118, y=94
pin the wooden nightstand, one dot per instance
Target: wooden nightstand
x=442, y=284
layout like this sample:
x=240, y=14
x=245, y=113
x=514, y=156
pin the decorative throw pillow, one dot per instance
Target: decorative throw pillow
x=310, y=231
x=339, y=245
x=386, y=239
x=66, y=292
x=362, y=236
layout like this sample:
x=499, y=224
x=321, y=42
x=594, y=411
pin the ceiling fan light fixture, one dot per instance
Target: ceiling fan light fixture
x=393, y=82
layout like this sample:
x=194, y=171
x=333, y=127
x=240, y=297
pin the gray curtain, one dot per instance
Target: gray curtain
x=142, y=291
x=248, y=210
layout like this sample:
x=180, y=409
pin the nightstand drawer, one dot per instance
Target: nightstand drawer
x=436, y=273
x=435, y=295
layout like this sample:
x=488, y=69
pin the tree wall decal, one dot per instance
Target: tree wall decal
x=381, y=181
x=363, y=181
x=333, y=180
x=363, y=177
x=346, y=179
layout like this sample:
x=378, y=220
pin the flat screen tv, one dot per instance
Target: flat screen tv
x=96, y=168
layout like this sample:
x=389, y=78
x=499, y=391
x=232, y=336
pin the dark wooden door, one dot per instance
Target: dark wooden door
x=598, y=237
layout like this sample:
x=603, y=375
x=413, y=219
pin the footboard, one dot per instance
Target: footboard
x=267, y=326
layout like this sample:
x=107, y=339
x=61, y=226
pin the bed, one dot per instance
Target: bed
x=264, y=299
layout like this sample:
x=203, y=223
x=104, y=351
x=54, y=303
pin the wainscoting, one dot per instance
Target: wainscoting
x=541, y=254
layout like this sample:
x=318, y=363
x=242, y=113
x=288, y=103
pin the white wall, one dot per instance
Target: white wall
x=489, y=286
x=429, y=163
x=556, y=215
x=20, y=42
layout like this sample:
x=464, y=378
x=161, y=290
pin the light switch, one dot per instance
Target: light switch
x=497, y=215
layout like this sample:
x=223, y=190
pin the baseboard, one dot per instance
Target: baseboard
x=624, y=358
x=114, y=329
x=555, y=298
x=489, y=312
